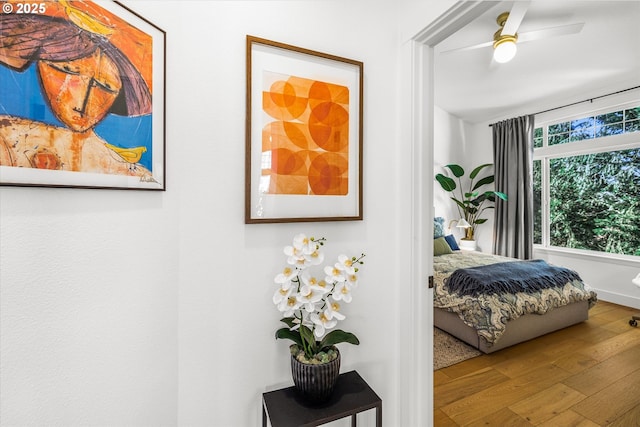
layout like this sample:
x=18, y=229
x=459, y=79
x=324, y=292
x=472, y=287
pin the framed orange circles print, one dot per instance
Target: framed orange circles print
x=303, y=135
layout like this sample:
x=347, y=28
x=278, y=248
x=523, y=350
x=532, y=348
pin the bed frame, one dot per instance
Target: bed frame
x=519, y=330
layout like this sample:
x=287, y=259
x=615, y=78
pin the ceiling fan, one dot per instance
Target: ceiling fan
x=505, y=39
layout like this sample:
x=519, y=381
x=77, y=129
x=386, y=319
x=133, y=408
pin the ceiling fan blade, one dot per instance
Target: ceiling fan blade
x=550, y=32
x=472, y=47
x=515, y=18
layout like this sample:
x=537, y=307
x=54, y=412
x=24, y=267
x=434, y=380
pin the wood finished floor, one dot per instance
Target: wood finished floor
x=586, y=375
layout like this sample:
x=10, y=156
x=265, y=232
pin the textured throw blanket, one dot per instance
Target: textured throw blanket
x=508, y=277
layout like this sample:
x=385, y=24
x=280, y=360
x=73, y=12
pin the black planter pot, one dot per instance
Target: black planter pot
x=315, y=383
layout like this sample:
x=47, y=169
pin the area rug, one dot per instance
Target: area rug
x=448, y=350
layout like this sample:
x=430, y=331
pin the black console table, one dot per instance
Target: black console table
x=351, y=396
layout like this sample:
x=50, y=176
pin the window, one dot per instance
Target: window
x=596, y=126
x=537, y=202
x=586, y=189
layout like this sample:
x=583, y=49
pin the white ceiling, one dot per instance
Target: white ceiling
x=603, y=58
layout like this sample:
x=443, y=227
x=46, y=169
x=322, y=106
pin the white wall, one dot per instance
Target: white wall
x=609, y=276
x=462, y=143
x=448, y=136
x=88, y=307
x=137, y=308
x=481, y=151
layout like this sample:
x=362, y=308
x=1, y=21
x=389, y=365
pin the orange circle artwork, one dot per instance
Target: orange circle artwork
x=305, y=146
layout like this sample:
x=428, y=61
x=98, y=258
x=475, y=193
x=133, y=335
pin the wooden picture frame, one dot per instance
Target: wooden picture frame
x=303, y=135
x=82, y=96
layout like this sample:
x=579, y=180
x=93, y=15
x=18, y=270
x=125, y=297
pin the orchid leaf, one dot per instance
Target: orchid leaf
x=337, y=336
x=289, y=321
x=286, y=333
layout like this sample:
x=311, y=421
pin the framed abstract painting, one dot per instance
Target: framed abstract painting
x=303, y=135
x=82, y=96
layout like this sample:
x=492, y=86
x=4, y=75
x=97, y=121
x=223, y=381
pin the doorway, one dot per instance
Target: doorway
x=419, y=60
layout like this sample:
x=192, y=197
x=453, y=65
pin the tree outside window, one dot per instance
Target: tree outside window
x=593, y=198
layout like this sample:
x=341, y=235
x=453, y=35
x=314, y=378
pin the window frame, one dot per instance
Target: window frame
x=544, y=154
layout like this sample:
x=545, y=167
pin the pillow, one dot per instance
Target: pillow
x=441, y=247
x=452, y=242
x=438, y=227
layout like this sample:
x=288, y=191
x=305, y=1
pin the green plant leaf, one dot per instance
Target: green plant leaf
x=338, y=336
x=459, y=203
x=484, y=181
x=286, y=333
x=491, y=195
x=308, y=341
x=446, y=183
x=481, y=198
x=289, y=321
x=456, y=170
x=477, y=170
x=473, y=203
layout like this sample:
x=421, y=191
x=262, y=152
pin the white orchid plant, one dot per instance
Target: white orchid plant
x=312, y=305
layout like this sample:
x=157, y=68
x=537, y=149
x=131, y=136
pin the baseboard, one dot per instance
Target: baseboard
x=620, y=299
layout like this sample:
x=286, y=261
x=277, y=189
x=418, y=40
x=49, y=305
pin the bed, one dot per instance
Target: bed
x=495, y=320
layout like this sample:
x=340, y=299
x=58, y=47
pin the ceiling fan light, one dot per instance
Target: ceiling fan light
x=504, y=50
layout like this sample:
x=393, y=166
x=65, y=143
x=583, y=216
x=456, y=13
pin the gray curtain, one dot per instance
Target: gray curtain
x=513, y=165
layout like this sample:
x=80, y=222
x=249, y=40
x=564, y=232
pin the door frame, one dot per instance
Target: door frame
x=418, y=62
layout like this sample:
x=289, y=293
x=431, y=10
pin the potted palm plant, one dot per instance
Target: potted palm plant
x=470, y=200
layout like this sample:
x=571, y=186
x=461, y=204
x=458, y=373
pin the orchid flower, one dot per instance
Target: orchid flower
x=342, y=291
x=311, y=304
x=322, y=323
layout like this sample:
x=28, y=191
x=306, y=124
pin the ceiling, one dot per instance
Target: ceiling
x=547, y=73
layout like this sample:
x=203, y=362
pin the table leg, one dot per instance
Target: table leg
x=354, y=420
x=379, y=415
x=264, y=416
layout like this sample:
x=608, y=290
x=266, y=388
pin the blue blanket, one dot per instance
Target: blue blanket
x=508, y=277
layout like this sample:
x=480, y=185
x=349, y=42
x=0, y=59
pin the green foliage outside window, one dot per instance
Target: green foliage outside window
x=595, y=203
x=538, y=138
x=594, y=200
x=537, y=202
x=613, y=123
